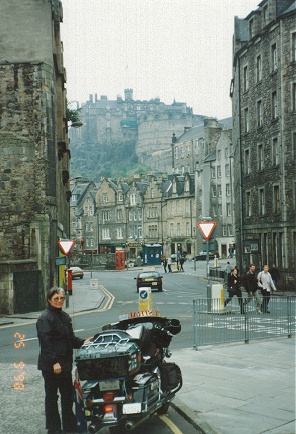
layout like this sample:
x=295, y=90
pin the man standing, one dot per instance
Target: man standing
x=252, y=287
x=266, y=284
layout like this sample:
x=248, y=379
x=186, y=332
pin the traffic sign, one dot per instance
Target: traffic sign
x=206, y=228
x=66, y=246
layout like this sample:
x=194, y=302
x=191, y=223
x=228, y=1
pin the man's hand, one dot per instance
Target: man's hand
x=57, y=368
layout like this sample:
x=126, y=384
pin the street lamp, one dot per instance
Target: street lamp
x=208, y=219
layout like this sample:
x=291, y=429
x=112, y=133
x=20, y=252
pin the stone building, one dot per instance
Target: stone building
x=34, y=189
x=263, y=91
x=125, y=127
x=83, y=219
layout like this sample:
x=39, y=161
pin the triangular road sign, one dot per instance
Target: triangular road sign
x=66, y=246
x=206, y=228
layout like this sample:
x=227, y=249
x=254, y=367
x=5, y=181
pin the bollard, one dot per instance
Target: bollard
x=145, y=298
x=217, y=298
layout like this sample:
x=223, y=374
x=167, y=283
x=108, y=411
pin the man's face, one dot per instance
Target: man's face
x=265, y=269
x=252, y=269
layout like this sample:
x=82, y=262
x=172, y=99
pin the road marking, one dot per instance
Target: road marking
x=170, y=424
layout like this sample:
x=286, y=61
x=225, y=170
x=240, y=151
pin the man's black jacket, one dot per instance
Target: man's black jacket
x=56, y=339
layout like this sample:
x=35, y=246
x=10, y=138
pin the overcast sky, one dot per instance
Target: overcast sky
x=172, y=49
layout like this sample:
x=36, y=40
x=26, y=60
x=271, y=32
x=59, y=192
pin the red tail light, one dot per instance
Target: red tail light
x=139, y=280
x=109, y=396
x=109, y=408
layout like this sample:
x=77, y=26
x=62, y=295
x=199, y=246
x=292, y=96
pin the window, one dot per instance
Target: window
x=214, y=211
x=220, y=209
x=276, y=199
x=120, y=197
x=174, y=187
x=260, y=157
x=259, y=113
x=294, y=97
x=188, y=230
x=273, y=57
x=188, y=150
x=219, y=190
x=227, y=189
x=105, y=216
x=227, y=169
x=247, y=162
x=214, y=191
x=219, y=155
x=248, y=204
x=274, y=105
x=152, y=230
x=246, y=79
x=178, y=207
x=187, y=206
x=105, y=234
x=219, y=171
x=182, y=152
x=119, y=214
x=226, y=153
x=224, y=228
x=293, y=47
x=105, y=198
x=133, y=198
x=172, y=231
x=119, y=233
x=213, y=172
x=261, y=201
x=172, y=208
x=275, y=151
x=246, y=120
x=187, y=185
x=230, y=231
x=178, y=229
x=259, y=68
x=228, y=209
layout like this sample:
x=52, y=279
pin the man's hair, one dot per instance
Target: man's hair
x=52, y=291
x=251, y=265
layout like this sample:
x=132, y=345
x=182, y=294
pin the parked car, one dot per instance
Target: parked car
x=77, y=272
x=150, y=278
x=202, y=256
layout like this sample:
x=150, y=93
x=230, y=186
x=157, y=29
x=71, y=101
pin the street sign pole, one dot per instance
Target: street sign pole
x=66, y=246
x=206, y=228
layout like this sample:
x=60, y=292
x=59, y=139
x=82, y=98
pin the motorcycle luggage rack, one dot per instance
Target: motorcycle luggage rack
x=108, y=339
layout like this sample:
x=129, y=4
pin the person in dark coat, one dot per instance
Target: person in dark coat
x=234, y=289
x=56, y=342
x=251, y=285
x=275, y=274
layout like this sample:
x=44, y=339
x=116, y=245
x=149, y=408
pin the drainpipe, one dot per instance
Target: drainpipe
x=240, y=173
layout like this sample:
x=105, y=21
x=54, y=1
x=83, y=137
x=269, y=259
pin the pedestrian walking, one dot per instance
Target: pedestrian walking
x=266, y=284
x=251, y=285
x=182, y=260
x=56, y=342
x=275, y=274
x=234, y=289
x=165, y=263
x=170, y=264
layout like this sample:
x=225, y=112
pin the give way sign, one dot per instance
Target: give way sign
x=66, y=246
x=206, y=228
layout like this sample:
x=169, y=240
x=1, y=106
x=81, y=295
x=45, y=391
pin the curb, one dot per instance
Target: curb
x=192, y=417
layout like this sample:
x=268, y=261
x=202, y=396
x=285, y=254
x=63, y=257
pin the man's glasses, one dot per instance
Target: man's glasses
x=59, y=298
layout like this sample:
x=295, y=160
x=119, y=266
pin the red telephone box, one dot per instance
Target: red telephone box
x=119, y=259
x=70, y=281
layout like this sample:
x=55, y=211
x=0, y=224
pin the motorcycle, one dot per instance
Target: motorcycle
x=127, y=379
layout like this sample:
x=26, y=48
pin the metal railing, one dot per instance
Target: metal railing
x=215, y=324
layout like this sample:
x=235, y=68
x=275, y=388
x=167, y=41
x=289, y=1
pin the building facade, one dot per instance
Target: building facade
x=263, y=92
x=34, y=189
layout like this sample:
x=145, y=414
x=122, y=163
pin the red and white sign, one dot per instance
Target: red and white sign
x=206, y=228
x=66, y=246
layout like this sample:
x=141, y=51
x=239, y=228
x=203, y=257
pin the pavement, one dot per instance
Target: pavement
x=227, y=389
